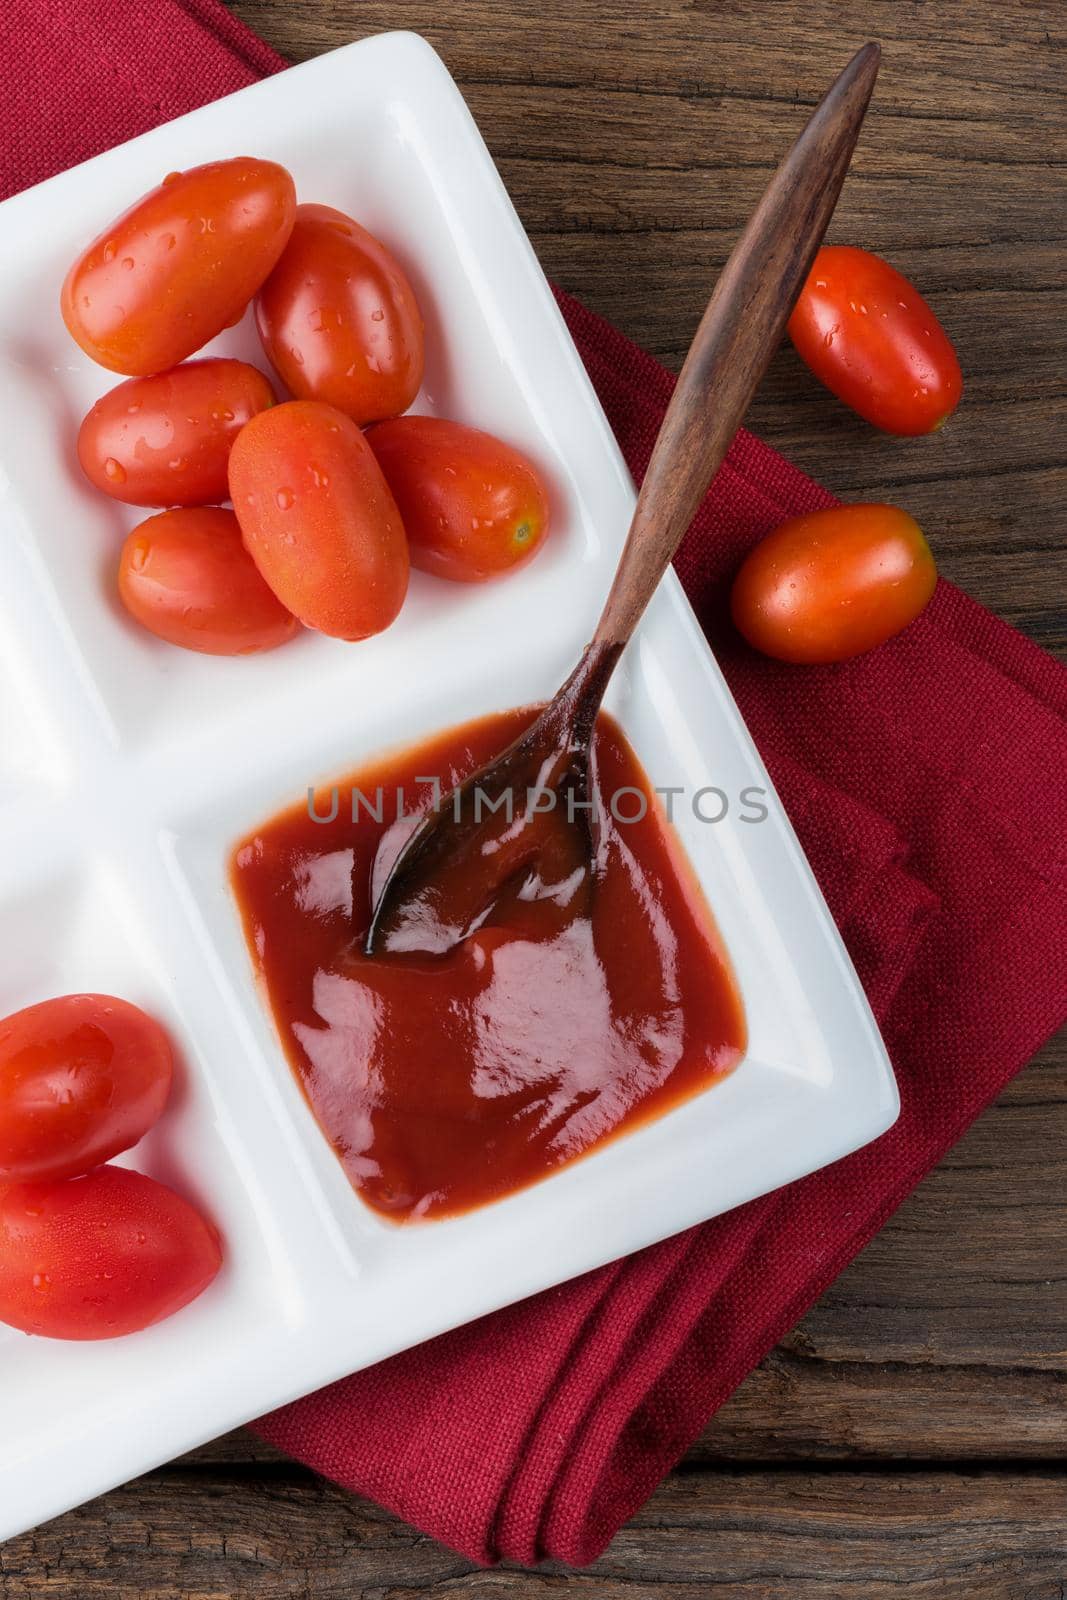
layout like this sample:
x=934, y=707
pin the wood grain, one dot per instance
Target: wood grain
x=909, y=1438
x=733, y=1533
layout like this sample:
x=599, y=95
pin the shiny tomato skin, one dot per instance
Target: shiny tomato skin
x=833, y=584
x=165, y=440
x=100, y=1256
x=187, y=577
x=82, y=1078
x=472, y=506
x=339, y=320
x=870, y=337
x=180, y=265
x=319, y=520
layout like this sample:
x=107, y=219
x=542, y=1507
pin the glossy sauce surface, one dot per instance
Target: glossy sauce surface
x=446, y=1081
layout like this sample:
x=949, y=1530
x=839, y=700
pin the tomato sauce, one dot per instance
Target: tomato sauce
x=444, y=1081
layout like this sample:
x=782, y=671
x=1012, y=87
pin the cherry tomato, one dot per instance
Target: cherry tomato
x=165, y=440
x=186, y=576
x=871, y=338
x=472, y=506
x=318, y=518
x=180, y=265
x=82, y=1078
x=830, y=585
x=100, y=1256
x=339, y=321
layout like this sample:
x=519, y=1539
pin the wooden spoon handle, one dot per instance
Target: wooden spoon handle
x=738, y=334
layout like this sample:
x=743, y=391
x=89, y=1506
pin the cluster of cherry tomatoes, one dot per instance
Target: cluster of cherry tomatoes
x=831, y=585
x=327, y=518
x=89, y=1251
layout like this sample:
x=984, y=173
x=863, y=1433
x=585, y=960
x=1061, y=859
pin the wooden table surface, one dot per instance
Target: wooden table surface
x=908, y=1439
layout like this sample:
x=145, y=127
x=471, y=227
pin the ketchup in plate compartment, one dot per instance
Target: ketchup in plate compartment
x=444, y=1081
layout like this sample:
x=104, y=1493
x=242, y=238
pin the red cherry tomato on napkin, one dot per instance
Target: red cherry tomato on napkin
x=872, y=339
x=165, y=440
x=472, y=506
x=187, y=577
x=318, y=518
x=180, y=265
x=339, y=320
x=82, y=1078
x=833, y=584
x=100, y=1256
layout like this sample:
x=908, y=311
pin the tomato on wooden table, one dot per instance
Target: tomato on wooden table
x=180, y=265
x=339, y=320
x=871, y=338
x=318, y=518
x=100, y=1256
x=166, y=440
x=830, y=585
x=82, y=1078
x=187, y=577
x=472, y=506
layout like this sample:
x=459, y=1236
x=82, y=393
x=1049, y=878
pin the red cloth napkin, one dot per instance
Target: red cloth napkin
x=928, y=783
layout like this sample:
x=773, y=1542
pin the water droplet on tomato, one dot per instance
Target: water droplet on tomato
x=318, y=477
x=172, y=177
x=177, y=464
x=133, y=410
x=127, y=263
x=296, y=355
x=139, y=555
x=227, y=416
x=41, y=1281
x=110, y=250
x=377, y=316
x=284, y=499
x=114, y=471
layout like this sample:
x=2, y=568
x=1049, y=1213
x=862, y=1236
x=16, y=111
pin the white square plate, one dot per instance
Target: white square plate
x=128, y=769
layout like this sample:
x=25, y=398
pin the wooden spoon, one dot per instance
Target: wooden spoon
x=476, y=849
